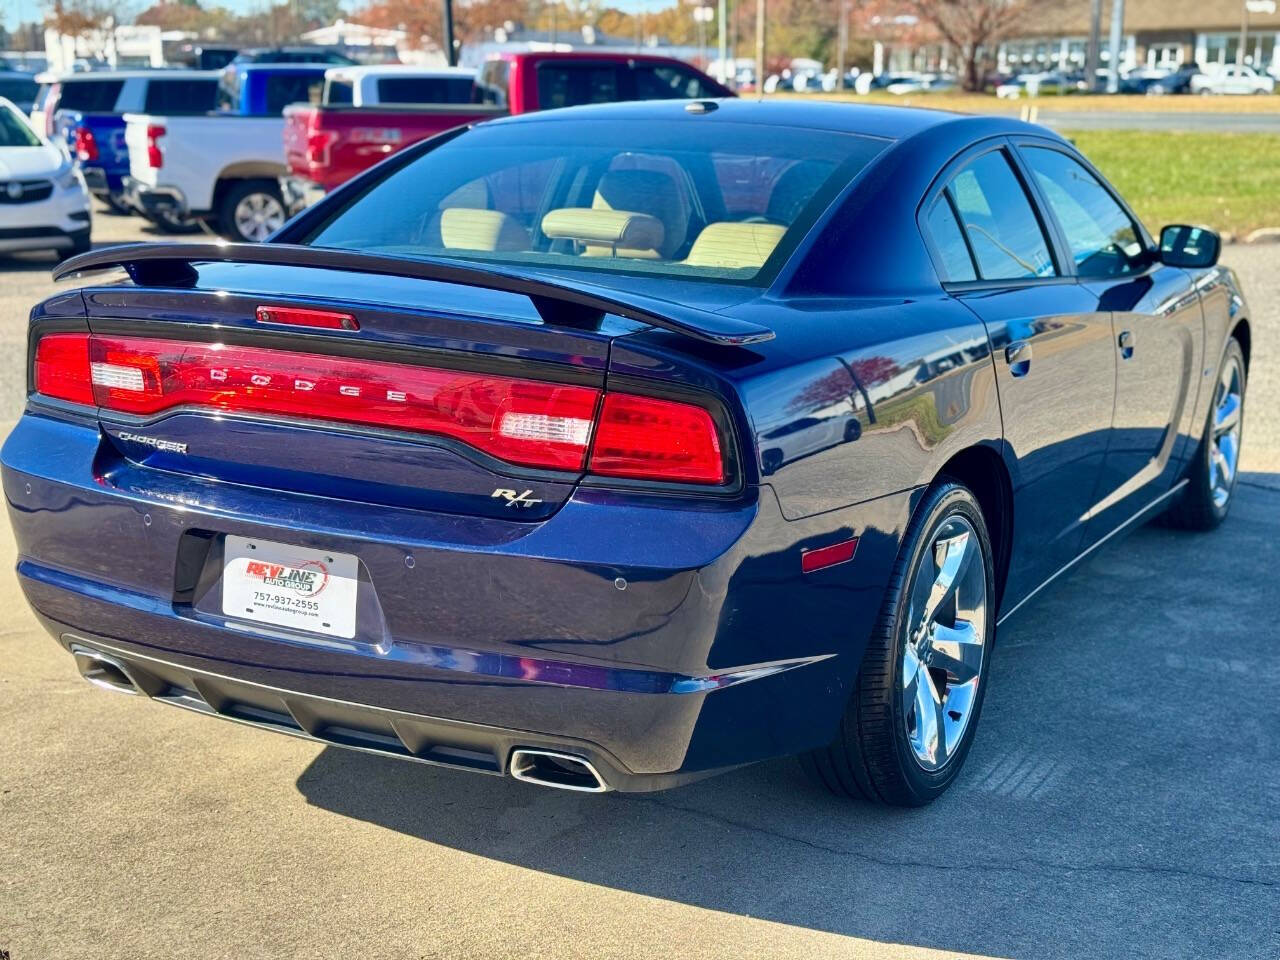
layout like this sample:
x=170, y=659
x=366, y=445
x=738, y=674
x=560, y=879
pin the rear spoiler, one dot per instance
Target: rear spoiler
x=171, y=265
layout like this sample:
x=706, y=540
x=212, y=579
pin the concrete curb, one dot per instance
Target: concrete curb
x=1262, y=235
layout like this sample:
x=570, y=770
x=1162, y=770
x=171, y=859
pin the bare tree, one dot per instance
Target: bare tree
x=972, y=28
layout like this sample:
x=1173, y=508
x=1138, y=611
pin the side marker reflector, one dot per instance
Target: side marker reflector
x=823, y=557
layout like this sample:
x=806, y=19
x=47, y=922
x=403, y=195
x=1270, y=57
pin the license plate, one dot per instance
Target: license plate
x=312, y=590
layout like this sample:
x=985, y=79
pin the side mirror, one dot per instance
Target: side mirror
x=1184, y=246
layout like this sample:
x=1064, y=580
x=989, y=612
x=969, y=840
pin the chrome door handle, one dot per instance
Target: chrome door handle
x=1126, y=344
x=1018, y=356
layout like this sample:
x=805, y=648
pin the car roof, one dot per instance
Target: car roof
x=281, y=67
x=86, y=76
x=892, y=123
x=397, y=70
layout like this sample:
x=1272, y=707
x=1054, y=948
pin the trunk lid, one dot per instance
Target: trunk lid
x=406, y=326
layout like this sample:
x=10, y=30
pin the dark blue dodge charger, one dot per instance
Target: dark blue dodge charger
x=613, y=447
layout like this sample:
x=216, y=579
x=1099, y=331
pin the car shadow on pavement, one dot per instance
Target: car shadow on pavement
x=1118, y=801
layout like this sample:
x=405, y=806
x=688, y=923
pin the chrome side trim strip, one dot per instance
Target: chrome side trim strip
x=1177, y=487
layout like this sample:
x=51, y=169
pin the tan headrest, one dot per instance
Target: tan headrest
x=465, y=228
x=652, y=192
x=612, y=228
x=735, y=245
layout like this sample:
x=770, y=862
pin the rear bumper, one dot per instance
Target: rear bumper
x=152, y=201
x=717, y=653
x=58, y=222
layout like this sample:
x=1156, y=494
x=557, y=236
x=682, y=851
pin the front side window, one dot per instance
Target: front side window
x=1004, y=234
x=643, y=198
x=286, y=88
x=90, y=96
x=1103, y=239
x=181, y=96
x=339, y=93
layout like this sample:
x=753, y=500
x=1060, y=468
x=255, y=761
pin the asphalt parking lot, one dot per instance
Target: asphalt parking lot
x=1122, y=798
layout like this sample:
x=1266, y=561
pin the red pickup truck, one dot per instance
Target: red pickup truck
x=365, y=117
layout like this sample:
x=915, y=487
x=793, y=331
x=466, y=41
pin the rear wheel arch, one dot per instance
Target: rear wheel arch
x=1241, y=333
x=981, y=469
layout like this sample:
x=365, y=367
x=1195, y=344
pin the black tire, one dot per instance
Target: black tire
x=232, y=197
x=117, y=206
x=871, y=757
x=1196, y=508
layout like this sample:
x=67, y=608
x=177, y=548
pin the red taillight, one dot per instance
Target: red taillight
x=651, y=439
x=86, y=145
x=528, y=422
x=318, y=144
x=155, y=156
x=62, y=367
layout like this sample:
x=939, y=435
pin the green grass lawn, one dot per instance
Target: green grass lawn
x=1228, y=181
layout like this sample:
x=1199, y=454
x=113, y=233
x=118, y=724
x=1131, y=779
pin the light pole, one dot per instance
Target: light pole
x=843, y=46
x=1117, y=36
x=450, y=49
x=702, y=16
x=759, y=48
x=724, y=40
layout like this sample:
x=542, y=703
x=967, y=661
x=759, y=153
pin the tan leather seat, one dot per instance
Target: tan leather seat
x=466, y=228
x=649, y=192
x=735, y=246
x=606, y=233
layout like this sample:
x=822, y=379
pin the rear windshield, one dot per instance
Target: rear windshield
x=15, y=133
x=19, y=91
x=425, y=90
x=719, y=200
x=181, y=96
x=90, y=96
x=286, y=88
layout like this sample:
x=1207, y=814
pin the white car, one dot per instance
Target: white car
x=1233, y=79
x=44, y=204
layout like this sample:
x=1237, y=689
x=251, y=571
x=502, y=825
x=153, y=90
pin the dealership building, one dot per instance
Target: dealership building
x=1157, y=33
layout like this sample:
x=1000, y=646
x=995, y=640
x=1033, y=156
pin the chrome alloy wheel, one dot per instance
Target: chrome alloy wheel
x=944, y=650
x=1224, y=440
x=258, y=215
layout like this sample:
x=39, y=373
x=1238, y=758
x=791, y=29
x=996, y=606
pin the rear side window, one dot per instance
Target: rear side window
x=1103, y=239
x=425, y=90
x=181, y=96
x=495, y=79
x=90, y=96
x=340, y=93
x=286, y=88
x=1007, y=240
x=572, y=85
x=670, y=83
x=949, y=243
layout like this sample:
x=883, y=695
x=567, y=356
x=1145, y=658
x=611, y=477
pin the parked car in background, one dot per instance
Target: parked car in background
x=867, y=82
x=19, y=88
x=96, y=138
x=468, y=468
x=300, y=54
x=1050, y=83
x=43, y=201
x=88, y=92
x=224, y=167
x=367, y=114
x=1233, y=80
x=1141, y=81
x=204, y=56
x=327, y=145
x=1177, y=82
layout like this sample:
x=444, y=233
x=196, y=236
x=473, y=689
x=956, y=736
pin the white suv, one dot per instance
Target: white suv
x=43, y=201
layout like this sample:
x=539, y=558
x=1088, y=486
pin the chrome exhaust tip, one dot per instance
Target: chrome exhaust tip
x=563, y=771
x=103, y=671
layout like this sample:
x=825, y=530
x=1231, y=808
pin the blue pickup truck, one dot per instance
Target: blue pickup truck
x=85, y=112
